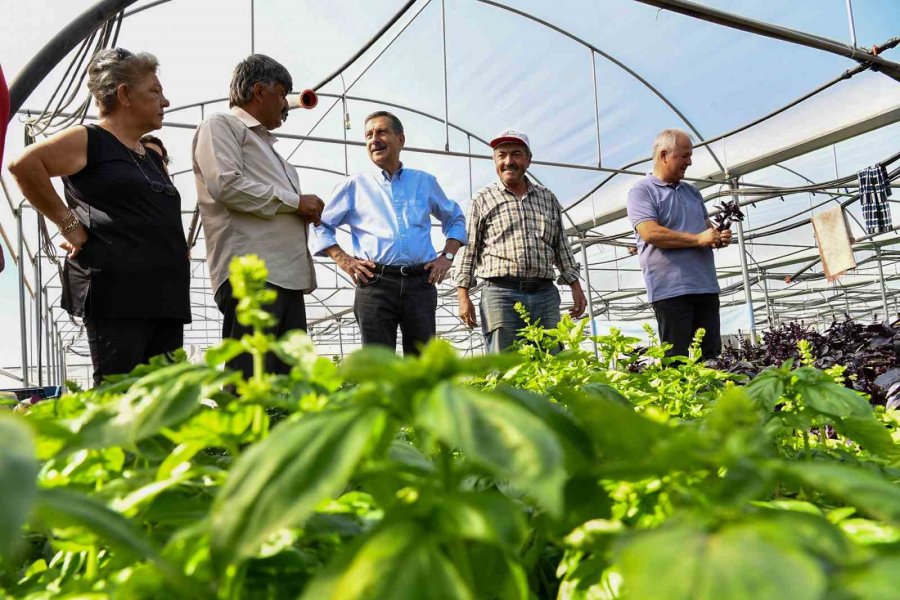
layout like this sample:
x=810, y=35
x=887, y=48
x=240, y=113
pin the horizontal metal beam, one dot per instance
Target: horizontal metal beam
x=882, y=119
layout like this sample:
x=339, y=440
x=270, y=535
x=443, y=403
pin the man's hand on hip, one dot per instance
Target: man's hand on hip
x=310, y=208
x=439, y=268
x=359, y=270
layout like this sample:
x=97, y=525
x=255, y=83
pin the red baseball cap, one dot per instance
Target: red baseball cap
x=510, y=136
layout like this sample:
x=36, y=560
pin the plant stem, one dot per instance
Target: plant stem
x=258, y=365
x=90, y=567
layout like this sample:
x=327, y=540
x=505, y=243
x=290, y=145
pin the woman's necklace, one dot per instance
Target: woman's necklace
x=138, y=148
x=164, y=187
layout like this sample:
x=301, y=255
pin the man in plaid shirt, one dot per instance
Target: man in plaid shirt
x=516, y=239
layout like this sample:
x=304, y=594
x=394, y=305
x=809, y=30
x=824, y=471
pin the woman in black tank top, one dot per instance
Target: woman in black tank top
x=127, y=271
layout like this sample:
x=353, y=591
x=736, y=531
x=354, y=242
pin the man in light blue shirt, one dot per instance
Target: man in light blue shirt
x=394, y=264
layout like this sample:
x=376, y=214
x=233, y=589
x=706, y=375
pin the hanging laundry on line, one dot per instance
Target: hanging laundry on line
x=874, y=188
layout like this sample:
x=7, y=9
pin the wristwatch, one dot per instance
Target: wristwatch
x=449, y=256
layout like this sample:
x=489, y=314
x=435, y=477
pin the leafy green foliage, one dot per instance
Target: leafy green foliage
x=280, y=480
x=18, y=473
x=552, y=472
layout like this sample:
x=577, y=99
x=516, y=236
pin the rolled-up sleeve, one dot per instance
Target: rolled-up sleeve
x=219, y=159
x=640, y=206
x=465, y=272
x=448, y=212
x=334, y=215
x=569, y=269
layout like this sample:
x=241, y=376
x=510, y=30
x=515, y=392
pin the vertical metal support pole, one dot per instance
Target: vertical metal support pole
x=48, y=336
x=471, y=189
x=444, y=52
x=346, y=147
x=63, y=375
x=851, y=23
x=340, y=339
x=252, y=27
x=834, y=157
x=884, y=302
x=765, y=284
x=23, y=318
x=57, y=380
x=57, y=344
x=51, y=351
x=590, y=299
x=38, y=307
x=847, y=301
x=596, y=109
x=748, y=292
x=346, y=127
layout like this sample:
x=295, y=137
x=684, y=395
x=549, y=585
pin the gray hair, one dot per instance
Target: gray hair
x=256, y=68
x=667, y=139
x=396, y=125
x=113, y=67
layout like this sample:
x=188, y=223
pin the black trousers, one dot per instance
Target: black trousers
x=119, y=345
x=681, y=316
x=289, y=312
x=392, y=300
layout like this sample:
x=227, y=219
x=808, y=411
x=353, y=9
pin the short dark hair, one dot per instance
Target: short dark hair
x=256, y=68
x=396, y=125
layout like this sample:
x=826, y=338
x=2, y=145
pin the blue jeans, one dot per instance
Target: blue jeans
x=500, y=323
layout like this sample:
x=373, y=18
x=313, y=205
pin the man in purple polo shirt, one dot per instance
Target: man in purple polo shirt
x=675, y=239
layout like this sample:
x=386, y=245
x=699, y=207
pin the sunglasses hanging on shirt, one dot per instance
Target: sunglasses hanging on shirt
x=155, y=186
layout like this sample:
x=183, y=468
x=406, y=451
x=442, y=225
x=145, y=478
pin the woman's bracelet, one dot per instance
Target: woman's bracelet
x=69, y=224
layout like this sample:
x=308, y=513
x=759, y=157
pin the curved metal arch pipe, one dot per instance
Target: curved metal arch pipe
x=720, y=17
x=613, y=60
x=57, y=48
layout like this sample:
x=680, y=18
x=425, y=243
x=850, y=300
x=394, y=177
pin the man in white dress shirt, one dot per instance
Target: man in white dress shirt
x=251, y=202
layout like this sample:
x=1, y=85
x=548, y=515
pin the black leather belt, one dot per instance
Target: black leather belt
x=400, y=270
x=521, y=284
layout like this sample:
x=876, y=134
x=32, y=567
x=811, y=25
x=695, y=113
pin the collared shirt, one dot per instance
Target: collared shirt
x=248, y=196
x=390, y=217
x=671, y=272
x=517, y=237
